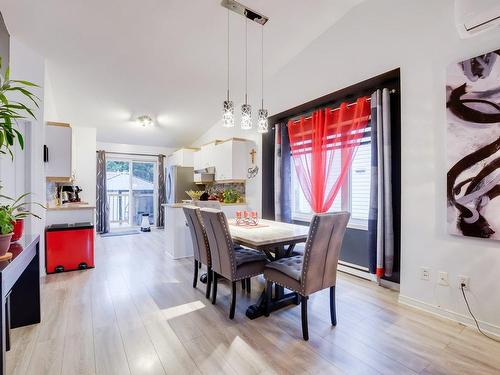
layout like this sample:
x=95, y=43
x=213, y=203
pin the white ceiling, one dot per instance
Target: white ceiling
x=110, y=61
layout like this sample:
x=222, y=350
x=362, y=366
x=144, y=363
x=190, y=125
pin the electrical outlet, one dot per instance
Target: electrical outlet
x=425, y=273
x=461, y=279
x=443, y=278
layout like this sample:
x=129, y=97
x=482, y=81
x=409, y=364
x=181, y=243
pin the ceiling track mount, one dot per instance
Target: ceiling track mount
x=244, y=11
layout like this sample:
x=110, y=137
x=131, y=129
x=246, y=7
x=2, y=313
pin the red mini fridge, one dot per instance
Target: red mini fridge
x=69, y=247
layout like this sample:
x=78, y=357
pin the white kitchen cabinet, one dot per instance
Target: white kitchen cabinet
x=183, y=158
x=205, y=157
x=58, y=159
x=231, y=160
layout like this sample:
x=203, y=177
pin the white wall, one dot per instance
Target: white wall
x=253, y=188
x=139, y=149
x=84, y=162
x=420, y=37
x=26, y=173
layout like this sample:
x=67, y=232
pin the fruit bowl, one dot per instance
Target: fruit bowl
x=194, y=194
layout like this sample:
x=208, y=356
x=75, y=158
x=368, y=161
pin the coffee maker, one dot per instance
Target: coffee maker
x=70, y=194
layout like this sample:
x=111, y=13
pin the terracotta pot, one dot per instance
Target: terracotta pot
x=18, y=229
x=5, y=242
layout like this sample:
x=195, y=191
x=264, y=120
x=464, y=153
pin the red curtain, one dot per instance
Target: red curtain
x=315, y=142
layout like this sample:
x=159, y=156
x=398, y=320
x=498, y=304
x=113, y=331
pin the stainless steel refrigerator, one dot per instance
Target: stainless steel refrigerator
x=177, y=181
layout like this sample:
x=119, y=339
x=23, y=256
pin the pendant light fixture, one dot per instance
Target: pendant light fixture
x=228, y=109
x=246, y=109
x=262, y=120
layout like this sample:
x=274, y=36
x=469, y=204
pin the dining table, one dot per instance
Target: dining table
x=277, y=240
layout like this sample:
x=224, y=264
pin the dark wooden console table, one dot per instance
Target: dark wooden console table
x=20, y=283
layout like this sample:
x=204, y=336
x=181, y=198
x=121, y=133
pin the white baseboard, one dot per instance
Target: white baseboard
x=450, y=315
x=355, y=272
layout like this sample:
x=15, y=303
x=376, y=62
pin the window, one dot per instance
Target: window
x=131, y=191
x=354, y=196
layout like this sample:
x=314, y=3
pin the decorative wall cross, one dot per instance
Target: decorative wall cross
x=252, y=154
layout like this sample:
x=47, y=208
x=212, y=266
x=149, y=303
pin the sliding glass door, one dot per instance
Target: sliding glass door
x=131, y=191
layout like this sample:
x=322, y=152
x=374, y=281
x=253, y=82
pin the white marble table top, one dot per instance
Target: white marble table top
x=273, y=233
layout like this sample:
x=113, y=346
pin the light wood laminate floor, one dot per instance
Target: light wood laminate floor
x=137, y=313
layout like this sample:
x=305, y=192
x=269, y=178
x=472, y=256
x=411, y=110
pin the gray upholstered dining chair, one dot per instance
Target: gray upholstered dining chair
x=316, y=269
x=201, y=250
x=232, y=263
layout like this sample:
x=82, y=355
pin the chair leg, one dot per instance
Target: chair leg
x=269, y=293
x=233, y=300
x=243, y=284
x=209, y=282
x=249, y=285
x=195, y=277
x=333, y=310
x=305, y=329
x=214, y=291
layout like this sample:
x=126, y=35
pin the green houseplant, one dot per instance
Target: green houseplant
x=231, y=196
x=11, y=111
x=6, y=229
x=17, y=211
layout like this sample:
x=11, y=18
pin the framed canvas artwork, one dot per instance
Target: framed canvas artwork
x=473, y=147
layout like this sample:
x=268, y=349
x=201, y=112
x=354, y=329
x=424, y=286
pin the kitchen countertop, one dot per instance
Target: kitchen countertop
x=70, y=206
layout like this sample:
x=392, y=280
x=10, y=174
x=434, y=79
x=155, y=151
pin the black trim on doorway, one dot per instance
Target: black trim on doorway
x=390, y=80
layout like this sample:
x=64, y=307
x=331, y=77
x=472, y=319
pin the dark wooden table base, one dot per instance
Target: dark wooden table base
x=280, y=300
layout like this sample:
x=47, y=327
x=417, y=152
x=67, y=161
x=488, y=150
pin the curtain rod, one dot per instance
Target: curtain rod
x=297, y=118
x=131, y=153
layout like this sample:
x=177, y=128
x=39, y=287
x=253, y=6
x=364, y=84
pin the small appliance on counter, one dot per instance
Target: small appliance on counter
x=69, y=247
x=69, y=194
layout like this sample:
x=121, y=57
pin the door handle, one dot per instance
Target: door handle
x=45, y=154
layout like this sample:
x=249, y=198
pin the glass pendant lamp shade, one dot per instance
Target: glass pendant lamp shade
x=246, y=116
x=228, y=114
x=262, y=121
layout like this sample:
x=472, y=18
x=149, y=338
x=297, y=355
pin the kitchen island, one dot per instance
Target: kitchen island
x=178, y=239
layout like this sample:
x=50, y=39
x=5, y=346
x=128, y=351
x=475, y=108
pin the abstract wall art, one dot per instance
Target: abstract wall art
x=473, y=147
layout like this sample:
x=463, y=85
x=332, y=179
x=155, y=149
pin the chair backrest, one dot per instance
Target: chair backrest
x=201, y=248
x=322, y=250
x=221, y=243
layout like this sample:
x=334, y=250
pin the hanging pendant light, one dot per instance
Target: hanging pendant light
x=246, y=109
x=228, y=109
x=262, y=119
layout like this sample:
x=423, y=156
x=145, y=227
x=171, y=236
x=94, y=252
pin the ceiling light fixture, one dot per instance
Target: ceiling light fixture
x=262, y=120
x=228, y=108
x=246, y=109
x=145, y=121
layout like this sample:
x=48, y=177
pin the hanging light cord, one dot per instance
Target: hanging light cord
x=228, y=54
x=262, y=64
x=246, y=59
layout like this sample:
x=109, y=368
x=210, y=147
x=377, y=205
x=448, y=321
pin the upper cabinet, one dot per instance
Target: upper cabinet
x=231, y=160
x=183, y=157
x=57, y=151
x=205, y=157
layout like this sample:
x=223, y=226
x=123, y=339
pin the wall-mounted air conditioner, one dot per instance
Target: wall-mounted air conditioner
x=476, y=16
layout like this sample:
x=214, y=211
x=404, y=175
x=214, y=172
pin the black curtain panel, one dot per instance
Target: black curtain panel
x=160, y=221
x=282, y=174
x=102, y=209
x=380, y=217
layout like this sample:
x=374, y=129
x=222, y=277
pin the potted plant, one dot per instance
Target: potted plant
x=11, y=111
x=6, y=229
x=18, y=212
x=231, y=196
